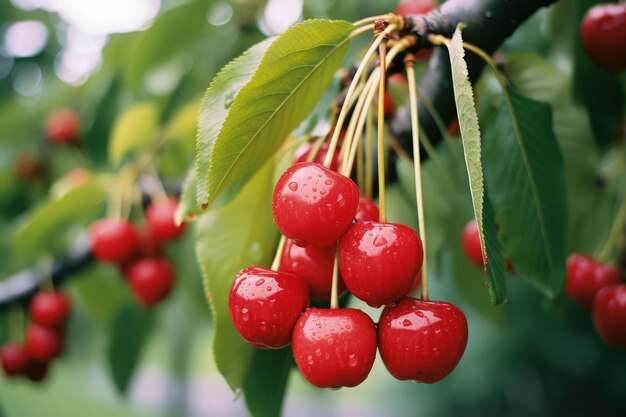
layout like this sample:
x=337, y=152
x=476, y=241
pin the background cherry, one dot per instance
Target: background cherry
x=367, y=211
x=14, y=359
x=43, y=343
x=334, y=347
x=304, y=150
x=62, y=127
x=50, y=309
x=151, y=280
x=36, y=370
x=389, y=107
x=585, y=277
x=264, y=305
x=314, y=205
x=379, y=262
x=603, y=31
x=470, y=242
x=113, y=240
x=421, y=340
x=160, y=220
x=609, y=315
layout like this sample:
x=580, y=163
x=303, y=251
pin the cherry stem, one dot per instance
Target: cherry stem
x=369, y=168
x=363, y=29
x=315, y=149
x=618, y=225
x=360, y=174
x=279, y=253
x=334, y=294
x=160, y=193
x=371, y=19
x=381, y=133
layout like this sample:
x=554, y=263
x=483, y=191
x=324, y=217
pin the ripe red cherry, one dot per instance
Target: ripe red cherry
x=43, y=343
x=151, y=280
x=264, y=305
x=603, y=31
x=314, y=205
x=304, y=150
x=367, y=211
x=421, y=340
x=160, y=220
x=113, y=240
x=470, y=241
x=380, y=261
x=585, y=277
x=62, y=127
x=313, y=264
x=609, y=315
x=14, y=359
x=454, y=129
x=50, y=309
x=334, y=347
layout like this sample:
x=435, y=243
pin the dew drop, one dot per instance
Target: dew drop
x=348, y=327
x=340, y=200
x=268, y=288
x=488, y=14
x=310, y=359
x=352, y=360
x=330, y=341
x=379, y=241
x=419, y=314
x=318, y=352
x=328, y=181
x=244, y=310
x=322, y=191
x=259, y=282
x=293, y=186
x=263, y=327
x=314, y=189
x=407, y=323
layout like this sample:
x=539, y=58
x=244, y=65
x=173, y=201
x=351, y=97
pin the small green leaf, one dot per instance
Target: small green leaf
x=289, y=81
x=266, y=381
x=188, y=208
x=129, y=334
x=134, y=129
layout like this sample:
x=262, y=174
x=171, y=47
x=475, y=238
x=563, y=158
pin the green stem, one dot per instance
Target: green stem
x=334, y=294
x=279, y=253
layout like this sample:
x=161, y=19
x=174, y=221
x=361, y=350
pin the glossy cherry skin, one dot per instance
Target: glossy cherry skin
x=304, y=150
x=334, y=347
x=367, y=211
x=420, y=340
x=113, y=240
x=470, y=242
x=609, y=315
x=151, y=280
x=62, y=127
x=264, y=305
x=313, y=264
x=411, y=7
x=603, y=31
x=50, y=309
x=379, y=262
x=14, y=359
x=585, y=277
x=160, y=220
x=314, y=205
x=43, y=343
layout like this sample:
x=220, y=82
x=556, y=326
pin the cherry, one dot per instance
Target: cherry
x=334, y=347
x=14, y=359
x=304, y=150
x=151, y=280
x=113, y=240
x=43, y=343
x=62, y=127
x=77, y=177
x=411, y=7
x=149, y=246
x=36, y=370
x=50, y=309
x=30, y=167
x=470, y=242
x=421, y=340
x=367, y=211
x=264, y=305
x=603, y=31
x=314, y=205
x=609, y=315
x=389, y=109
x=585, y=277
x=454, y=129
x=160, y=220
x=313, y=264
x=379, y=262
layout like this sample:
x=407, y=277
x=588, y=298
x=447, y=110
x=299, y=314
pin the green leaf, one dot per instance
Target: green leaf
x=129, y=334
x=289, y=81
x=188, y=208
x=527, y=187
x=134, y=129
x=230, y=238
x=266, y=381
x=536, y=78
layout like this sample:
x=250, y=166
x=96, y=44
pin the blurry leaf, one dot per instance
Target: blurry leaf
x=180, y=138
x=266, y=381
x=184, y=124
x=101, y=291
x=527, y=188
x=129, y=334
x=134, y=129
x=229, y=239
x=188, y=208
x=534, y=77
x=289, y=81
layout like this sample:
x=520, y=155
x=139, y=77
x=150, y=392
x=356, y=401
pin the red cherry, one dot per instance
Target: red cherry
x=160, y=220
x=30, y=167
x=389, y=108
x=334, y=347
x=50, y=309
x=603, y=31
x=36, y=370
x=304, y=150
x=77, y=177
x=367, y=211
x=609, y=315
x=397, y=79
x=314, y=205
x=411, y=7
x=585, y=277
x=313, y=264
x=113, y=240
x=470, y=241
x=149, y=246
x=421, y=340
x=416, y=283
x=454, y=129
x=43, y=343
x=14, y=359
x=151, y=280
x=264, y=305
x=62, y=127
x=379, y=262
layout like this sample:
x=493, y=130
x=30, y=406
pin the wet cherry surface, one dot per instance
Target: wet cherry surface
x=334, y=347
x=379, y=262
x=421, y=340
x=585, y=277
x=50, y=308
x=603, y=31
x=609, y=315
x=264, y=305
x=367, y=211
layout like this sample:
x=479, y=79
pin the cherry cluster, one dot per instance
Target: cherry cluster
x=137, y=251
x=44, y=339
x=335, y=244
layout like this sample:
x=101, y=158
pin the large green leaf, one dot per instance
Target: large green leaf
x=527, y=187
x=230, y=238
x=134, y=129
x=289, y=81
x=535, y=77
x=266, y=380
